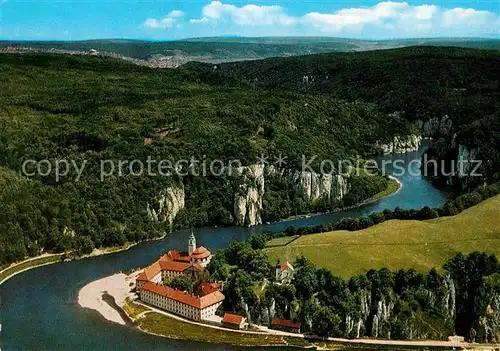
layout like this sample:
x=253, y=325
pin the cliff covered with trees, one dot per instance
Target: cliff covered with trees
x=90, y=109
x=452, y=94
x=461, y=298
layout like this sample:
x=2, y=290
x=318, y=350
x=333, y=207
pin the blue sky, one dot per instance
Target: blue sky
x=167, y=20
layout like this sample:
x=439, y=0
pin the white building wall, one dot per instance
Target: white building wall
x=157, y=278
x=179, y=308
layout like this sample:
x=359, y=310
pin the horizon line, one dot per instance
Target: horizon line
x=248, y=37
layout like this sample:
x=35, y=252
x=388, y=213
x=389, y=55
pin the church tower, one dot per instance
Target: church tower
x=191, y=243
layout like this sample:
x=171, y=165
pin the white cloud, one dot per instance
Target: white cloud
x=175, y=14
x=383, y=15
x=471, y=18
x=248, y=15
x=199, y=20
x=162, y=23
x=167, y=22
x=400, y=19
x=387, y=19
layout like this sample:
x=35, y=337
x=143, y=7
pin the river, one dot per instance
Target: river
x=39, y=310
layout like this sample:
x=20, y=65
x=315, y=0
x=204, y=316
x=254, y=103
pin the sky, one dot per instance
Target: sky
x=172, y=19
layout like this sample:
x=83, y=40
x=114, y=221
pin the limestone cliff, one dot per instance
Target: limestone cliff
x=166, y=206
x=435, y=127
x=248, y=200
x=316, y=186
x=488, y=308
x=401, y=144
x=466, y=160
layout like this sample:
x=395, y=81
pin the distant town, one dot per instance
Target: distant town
x=158, y=61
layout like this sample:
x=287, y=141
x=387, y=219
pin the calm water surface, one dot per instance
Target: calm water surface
x=38, y=308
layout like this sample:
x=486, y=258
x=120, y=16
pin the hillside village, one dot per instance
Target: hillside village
x=156, y=286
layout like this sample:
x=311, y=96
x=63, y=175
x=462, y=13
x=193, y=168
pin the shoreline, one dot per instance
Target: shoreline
x=53, y=259
x=363, y=203
x=97, y=295
x=114, y=249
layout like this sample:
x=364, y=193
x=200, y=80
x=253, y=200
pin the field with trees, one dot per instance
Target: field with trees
x=408, y=291
x=420, y=245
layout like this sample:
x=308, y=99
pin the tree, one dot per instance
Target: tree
x=258, y=241
x=427, y=213
x=305, y=279
x=83, y=245
x=325, y=322
x=181, y=283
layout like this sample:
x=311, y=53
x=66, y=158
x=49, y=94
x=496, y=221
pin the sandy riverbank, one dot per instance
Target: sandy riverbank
x=117, y=286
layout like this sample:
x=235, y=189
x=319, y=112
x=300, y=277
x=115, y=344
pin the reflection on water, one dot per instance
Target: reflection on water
x=39, y=308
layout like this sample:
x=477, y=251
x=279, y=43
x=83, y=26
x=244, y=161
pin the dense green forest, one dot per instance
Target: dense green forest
x=82, y=108
x=333, y=106
x=458, y=299
x=418, y=82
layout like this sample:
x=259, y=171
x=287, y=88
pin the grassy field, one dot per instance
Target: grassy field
x=7, y=273
x=160, y=324
x=281, y=241
x=399, y=244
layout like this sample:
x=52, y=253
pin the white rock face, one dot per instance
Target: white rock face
x=435, y=126
x=315, y=185
x=167, y=205
x=466, y=160
x=248, y=201
x=402, y=144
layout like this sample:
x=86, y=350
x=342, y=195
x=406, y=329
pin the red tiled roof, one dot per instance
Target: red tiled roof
x=175, y=255
x=148, y=141
x=150, y=272
x=232, y=318
x=201, y=252
x=285, y=323
x=207, y=287
x=184, y=297
x=286, y=264
x=174, y=266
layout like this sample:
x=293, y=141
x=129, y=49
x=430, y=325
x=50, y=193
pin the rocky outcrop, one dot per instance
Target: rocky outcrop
x=450, y=297
x=467, y=159
x=167, y=205
x=316, y=186
x=488, y=302
x=401, y=144
x=248, y=200
x=381, y=323
x=435, y=127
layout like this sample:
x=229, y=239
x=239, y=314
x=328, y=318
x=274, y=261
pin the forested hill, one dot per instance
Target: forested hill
x=422, y=81
x=97, y=108
x=220, y=49
x=419, y=82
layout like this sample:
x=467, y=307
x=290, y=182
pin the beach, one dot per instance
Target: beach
x=95, y=295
